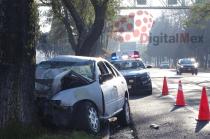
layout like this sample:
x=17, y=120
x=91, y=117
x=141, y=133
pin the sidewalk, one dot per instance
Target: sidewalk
x=204, y=70
x=174, y=122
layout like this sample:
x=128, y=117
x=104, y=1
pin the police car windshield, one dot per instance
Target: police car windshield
x=128, y=65
x=187, y=61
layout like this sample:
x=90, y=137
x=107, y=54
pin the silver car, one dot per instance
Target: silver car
x=81, y=91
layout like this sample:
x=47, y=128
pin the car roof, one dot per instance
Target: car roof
x=75, y=58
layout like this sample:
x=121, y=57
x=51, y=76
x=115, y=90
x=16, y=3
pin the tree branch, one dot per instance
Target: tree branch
x=75, y=15
x=67, y=24
x=97, y=27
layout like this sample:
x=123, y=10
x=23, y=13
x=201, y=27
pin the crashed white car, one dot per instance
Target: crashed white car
x=81, y=91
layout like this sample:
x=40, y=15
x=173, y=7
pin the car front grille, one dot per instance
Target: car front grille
x=188, y=66
x=137, y=80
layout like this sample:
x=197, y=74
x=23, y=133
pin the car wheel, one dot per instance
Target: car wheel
x=124, y=116
x=88, y=118
x=149, y=92
x=196, y=72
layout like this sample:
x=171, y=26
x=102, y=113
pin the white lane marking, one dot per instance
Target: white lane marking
x=174, y=99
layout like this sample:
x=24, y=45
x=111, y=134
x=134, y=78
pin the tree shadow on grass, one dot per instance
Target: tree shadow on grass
x=200, y=125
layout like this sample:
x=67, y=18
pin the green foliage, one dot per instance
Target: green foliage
x=199, y=15
x=73, y=135
x=86, y=11
x=112, y=10
x=17, y=131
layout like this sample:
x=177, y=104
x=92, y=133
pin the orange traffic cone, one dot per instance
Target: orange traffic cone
x=180, y=101
x=204, y=114
x=165, y=87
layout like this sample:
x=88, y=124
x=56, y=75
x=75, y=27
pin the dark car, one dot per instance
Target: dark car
x=187, y=65
x=137, y=78
x=164, y=66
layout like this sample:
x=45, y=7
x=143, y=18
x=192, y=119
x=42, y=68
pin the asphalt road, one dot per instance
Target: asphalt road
x=156, y=116
x=192, y=85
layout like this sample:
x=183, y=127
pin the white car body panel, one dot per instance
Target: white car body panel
x=90, y=92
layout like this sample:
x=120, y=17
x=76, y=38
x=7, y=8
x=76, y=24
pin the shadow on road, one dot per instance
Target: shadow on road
x=134, y=97
x=200, y=125
x=175, y=108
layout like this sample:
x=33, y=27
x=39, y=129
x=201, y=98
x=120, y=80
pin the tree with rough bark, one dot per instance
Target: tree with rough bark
x=83, y=20
x=17, y=61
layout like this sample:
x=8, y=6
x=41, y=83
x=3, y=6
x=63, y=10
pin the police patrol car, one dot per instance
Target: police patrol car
x=134, y=71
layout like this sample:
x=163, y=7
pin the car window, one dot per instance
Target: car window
x=102, y=68
x=111, y=69
x=117, y=73
x=128, y=64
x=187, y=61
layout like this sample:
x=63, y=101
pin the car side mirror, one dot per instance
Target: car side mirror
x=105, y=77
x=149, y=67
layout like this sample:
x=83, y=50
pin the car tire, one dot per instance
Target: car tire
x=124, y=116
x=196, y=72
x=149, y=92
x=88, y=118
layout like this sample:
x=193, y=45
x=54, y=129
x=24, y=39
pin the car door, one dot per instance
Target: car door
x=120, y=84
x=109, y=91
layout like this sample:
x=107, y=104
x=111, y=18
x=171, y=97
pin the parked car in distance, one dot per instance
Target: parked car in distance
x=136, y=75
x=81, y=91
x=187, y=65
x=164, y=65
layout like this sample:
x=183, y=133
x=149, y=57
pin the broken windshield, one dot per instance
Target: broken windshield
x=51, y=69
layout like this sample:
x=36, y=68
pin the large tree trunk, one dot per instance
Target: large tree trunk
x=17, y=61
x=88, y=37
x=87, y=41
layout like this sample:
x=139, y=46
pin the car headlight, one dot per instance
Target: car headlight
x=196, y=65
x=182, y=66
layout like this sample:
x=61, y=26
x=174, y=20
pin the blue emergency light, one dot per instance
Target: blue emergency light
x=114, y=56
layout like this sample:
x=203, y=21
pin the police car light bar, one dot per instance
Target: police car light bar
x=125, y=55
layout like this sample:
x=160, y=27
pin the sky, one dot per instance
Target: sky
x=44, y=24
